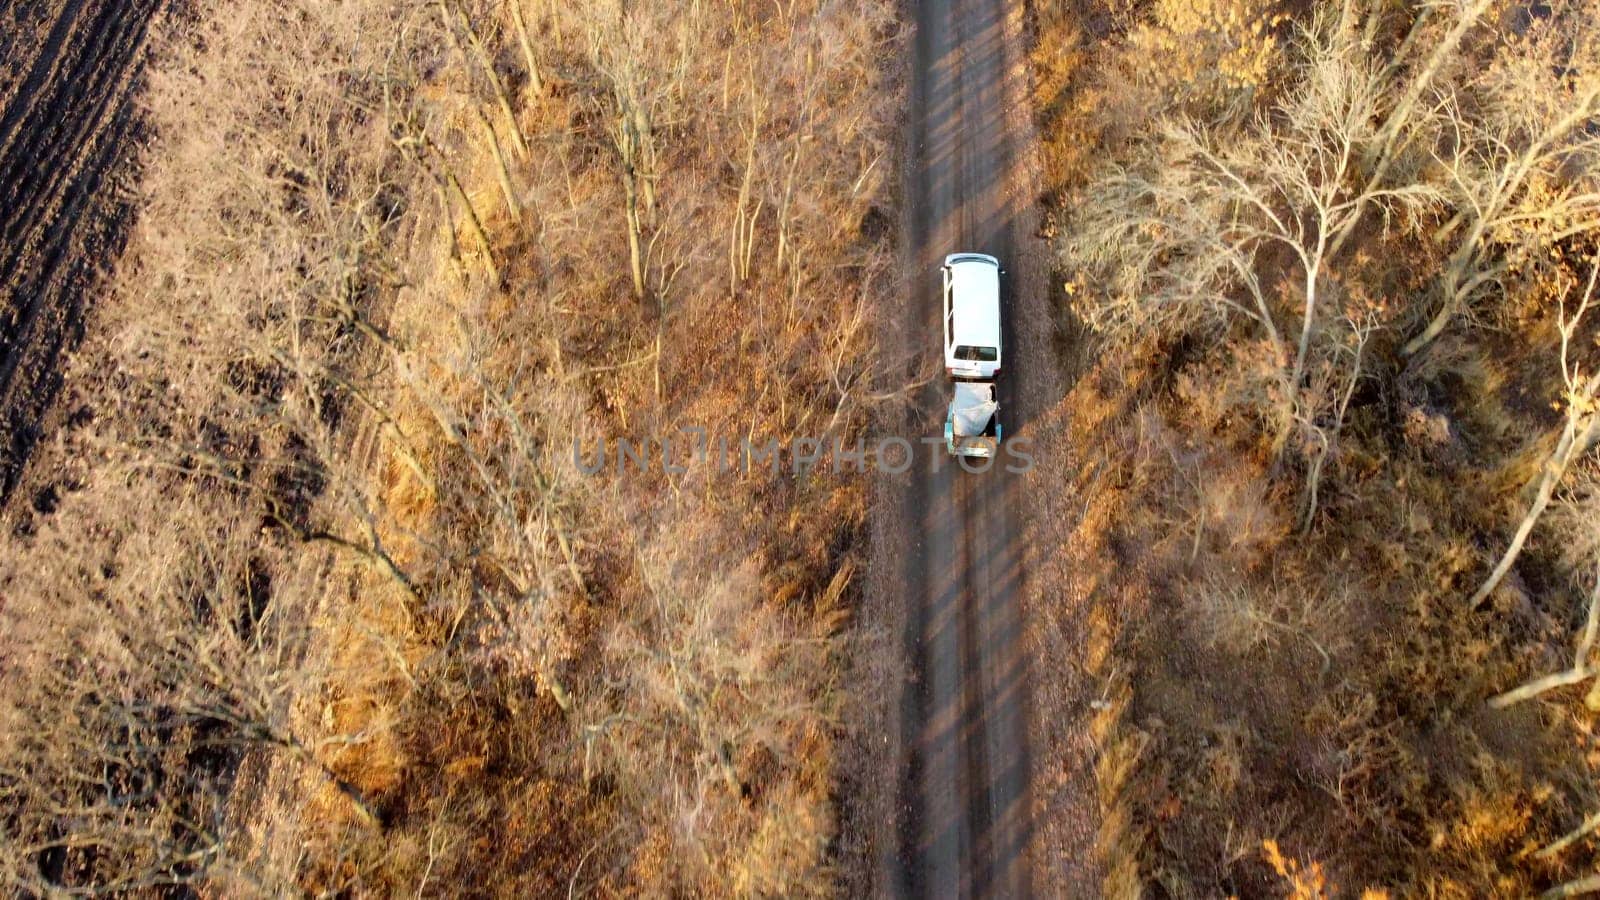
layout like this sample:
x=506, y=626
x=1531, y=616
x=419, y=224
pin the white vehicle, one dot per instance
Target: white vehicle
x=971, y=315
x=972, y=427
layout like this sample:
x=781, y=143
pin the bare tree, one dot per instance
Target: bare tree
x=1180, y=243
x=1331, y=401
x=529, y=57
x=704, y=699
x=186, y=654
x=1580, y=528
x=1520, y=171
x=1580, y=431
x=452, y=17
x=616, y=33
x=1401, y=121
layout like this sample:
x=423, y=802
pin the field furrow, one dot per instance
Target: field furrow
x=66, y=125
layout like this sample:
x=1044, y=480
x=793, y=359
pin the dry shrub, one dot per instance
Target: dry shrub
x=1240, y=617
x=716, y=725
x=142, y=671
x=1215, y=53
x=1094, y=86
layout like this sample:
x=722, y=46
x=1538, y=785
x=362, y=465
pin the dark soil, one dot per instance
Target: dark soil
x=68, y=72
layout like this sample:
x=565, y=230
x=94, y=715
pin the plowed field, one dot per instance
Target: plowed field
x=68, y=70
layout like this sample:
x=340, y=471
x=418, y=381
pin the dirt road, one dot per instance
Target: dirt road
x=965, y=823
x=67, y=72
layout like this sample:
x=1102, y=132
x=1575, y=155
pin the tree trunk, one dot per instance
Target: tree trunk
x=635, y=249
x=502, y=170
x=1381, y=154
x=535, y=83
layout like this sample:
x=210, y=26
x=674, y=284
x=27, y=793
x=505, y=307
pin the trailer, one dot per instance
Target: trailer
x=972, y=427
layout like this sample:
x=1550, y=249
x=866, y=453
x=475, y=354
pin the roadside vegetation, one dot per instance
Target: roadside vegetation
x=1333, y=421
x=313, y=597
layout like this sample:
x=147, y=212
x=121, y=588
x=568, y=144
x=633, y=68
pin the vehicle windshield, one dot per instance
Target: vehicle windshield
x=968, y=353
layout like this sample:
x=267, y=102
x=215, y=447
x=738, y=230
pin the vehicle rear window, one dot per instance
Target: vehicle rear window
x=977, y=354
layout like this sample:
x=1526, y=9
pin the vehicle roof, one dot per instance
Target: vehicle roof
x=975, y=299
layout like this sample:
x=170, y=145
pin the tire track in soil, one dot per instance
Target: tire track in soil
x=67, y=130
